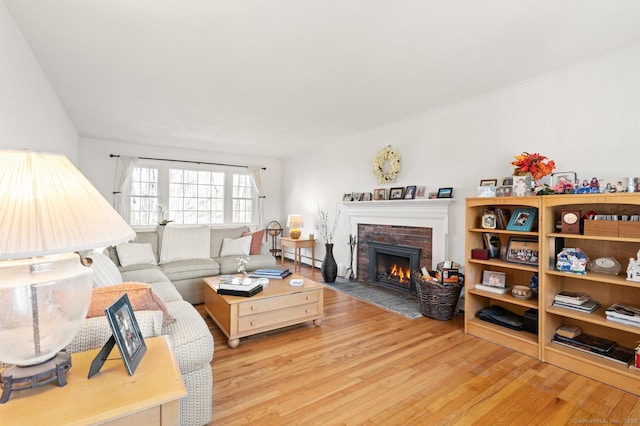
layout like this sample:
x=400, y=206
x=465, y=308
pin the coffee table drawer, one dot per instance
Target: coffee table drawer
x=257, y=306
x=283, y=316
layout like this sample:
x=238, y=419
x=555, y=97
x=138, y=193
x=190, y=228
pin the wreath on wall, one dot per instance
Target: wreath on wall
x=386, y=165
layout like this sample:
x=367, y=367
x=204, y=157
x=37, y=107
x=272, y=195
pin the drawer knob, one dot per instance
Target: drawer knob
x=253, y=323
x=308, y=297
x=307, y=311
x=253, y=307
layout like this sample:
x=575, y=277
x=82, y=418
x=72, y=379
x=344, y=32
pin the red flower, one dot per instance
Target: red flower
x=536, y=165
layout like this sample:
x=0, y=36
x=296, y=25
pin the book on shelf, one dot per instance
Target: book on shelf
x=502, y=218
x=568, y=331
x=571, y=297
x=623, y=321
x=492, y=289
x=588, y=341
x=587, y=307
x=620, y=310
x=618, y=353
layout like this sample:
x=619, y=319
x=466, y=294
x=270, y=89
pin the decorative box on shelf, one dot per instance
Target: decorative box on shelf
x=612, y=228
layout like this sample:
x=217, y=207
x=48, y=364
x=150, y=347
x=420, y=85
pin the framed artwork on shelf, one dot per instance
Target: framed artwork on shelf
x=410, y=192
x=396, y=193
x=521, y=186
x=421, y=191
x=522, y=219
x=494, y=278
x=357, y=196
x=126, y=332
x=445, y=193
x=564, y=177
x=380, y=194
x=366, y=196
x=522, y=250
x=489, y=182
x=347, y=197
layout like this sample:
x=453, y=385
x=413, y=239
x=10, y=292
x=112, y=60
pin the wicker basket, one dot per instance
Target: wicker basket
x=437, y=300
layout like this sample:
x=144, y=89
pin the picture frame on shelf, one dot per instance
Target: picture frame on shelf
x=445, y=193
x=346, y=196
x=522, y=250
x=357, y=196
x=489, y=182
x=504, y=191
x=433, y=195
x=366, y=196
x=379, y=194
x=126, y=333
x=564, y=177
x=522, y=219
x=396, y=193
x=421, y=191
x=494, y=278
x=521, y=186
x=487, y=191
x=410, y=192
x=506, y=181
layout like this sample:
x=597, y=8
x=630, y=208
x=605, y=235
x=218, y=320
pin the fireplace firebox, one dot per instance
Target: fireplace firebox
x=391, y=265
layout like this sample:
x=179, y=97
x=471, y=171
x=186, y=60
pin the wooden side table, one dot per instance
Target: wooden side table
x=297, y=245
x=150, y=397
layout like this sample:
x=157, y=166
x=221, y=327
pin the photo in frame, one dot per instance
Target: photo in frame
x=522, y=219
x=445, y=193
x=494, y=279
x=380, y=194
x=366, y=196
x=126, y=332
x=421, y=191
x=489, y=182
x=522, y=250
x=410, y=192
x=346, y=196
x=396, y=193
x=521, y=186
x=564, y=177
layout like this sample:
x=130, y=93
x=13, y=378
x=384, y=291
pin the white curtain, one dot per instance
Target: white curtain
x=124, y=169
x=254, y=171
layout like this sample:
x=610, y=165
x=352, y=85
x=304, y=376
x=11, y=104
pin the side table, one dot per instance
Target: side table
x=297, y=245
x=150, y=397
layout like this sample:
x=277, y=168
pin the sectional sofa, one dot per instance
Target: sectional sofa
x=176, y=285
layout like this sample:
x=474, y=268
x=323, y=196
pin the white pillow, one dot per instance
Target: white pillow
x=236, y=247
x=105, y=272
x=185, y=242
x=136, y=254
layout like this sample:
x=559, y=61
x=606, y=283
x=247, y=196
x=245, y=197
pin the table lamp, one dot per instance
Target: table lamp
x=48, y=211
x=295, y=222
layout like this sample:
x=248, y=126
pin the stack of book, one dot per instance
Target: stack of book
x=275, y=272
x=575, y=300
x=597, y=346
x=502, y=218
x=624, y=314
x=238, y=286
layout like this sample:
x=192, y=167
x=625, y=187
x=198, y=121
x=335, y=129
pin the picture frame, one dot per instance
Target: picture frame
x=522, y=250
x=433, y=195
x=504, y=191
x=489, y=182
x=445, y=193
x=379, y=194
x=558, y=177
x=347, y=196
x=396, y=193
x=421, y=191
x=494, y=279
x=357, y=196
x=410, y=192
x=126, y=333
x=521, y=186
x=366, y=196
x=507, y=181
x=522, y=219
x=487, y=191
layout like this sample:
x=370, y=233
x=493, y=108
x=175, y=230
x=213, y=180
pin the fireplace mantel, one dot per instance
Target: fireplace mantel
x=428, y=213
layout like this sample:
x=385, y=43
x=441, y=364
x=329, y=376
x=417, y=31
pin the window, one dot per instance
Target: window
x=215, y=195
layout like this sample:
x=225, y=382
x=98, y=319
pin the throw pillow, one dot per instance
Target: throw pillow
x=141, y=297
x=136, y=254
x=236, y=247
x=105, y=272
x=256, y=240
x=185, y=242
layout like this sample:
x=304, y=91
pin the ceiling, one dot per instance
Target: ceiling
x=275, y=77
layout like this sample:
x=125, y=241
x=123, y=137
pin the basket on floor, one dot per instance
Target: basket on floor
x=437, y=300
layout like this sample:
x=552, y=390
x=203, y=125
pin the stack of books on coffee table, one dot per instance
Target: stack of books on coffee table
x=275, y=272
x=231, y=286
x=575, y=300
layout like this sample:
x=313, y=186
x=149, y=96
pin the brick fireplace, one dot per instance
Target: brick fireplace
x=421, y=223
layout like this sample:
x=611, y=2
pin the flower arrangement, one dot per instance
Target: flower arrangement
x=386, y=165
x=242, y=264
x=326, y=230
x=536, y=165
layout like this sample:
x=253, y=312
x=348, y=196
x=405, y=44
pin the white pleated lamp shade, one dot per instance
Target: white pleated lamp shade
x=47, y=206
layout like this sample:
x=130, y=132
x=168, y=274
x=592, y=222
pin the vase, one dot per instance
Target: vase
x=329, y=265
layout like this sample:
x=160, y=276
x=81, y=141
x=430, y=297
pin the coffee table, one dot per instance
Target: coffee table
x=278, y=305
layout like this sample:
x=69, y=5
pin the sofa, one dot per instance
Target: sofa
x=174, y=287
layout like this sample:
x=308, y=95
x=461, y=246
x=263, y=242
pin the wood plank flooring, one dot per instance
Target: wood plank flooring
x=367, y=366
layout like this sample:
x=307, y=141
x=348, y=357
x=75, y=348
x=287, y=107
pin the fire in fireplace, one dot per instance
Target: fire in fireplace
x=391, y=265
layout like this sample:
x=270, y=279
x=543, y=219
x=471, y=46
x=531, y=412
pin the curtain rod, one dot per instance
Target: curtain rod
x=187, y=161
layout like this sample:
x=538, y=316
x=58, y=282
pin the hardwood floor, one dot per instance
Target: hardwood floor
x=367, y=366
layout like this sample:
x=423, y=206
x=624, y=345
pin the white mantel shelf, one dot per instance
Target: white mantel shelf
x=428, y=213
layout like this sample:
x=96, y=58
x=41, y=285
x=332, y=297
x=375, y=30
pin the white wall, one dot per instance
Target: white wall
x=586, y=118
x=31, y=116
x=100, y=169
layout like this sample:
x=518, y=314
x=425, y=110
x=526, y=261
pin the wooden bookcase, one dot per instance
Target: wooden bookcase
x=516, y=274
x=605, y=288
